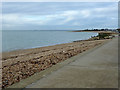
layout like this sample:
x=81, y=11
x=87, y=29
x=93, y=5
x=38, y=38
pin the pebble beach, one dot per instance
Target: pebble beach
x=20, y=64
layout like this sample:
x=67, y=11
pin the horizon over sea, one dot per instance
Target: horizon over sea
x=25, y=39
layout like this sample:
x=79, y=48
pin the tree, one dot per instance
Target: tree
x=118, y=30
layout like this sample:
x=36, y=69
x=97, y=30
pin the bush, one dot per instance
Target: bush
x=103, y=35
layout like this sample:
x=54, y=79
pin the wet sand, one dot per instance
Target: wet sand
x=20, y=64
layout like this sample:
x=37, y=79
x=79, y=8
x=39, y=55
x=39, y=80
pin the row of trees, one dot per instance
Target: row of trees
x=98, y=29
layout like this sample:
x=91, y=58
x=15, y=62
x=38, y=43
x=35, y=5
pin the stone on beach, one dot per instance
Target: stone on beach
x=22, y=65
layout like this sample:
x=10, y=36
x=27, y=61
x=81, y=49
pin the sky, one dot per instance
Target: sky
x=59, y=15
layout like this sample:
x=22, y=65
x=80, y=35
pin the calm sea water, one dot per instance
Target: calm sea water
x=14, y=39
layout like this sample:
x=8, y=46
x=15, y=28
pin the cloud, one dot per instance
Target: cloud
x=64, y=15
x=85, y=13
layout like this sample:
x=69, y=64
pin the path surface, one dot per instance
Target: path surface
x=97, y=69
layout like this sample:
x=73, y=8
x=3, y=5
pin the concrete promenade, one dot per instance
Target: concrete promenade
x=96, y=69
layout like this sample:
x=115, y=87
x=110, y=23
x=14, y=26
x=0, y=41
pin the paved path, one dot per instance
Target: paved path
x=97, y=69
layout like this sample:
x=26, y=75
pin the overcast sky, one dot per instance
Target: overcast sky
x=59, y=15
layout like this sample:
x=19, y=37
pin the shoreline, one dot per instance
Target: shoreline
x=37, y=47
x=42, y=47
x=110, y=32
x=15, y=50
x=20, y=64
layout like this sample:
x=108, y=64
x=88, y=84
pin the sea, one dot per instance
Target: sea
x=25, y=39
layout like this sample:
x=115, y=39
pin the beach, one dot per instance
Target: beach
x=95, y=31
x=95, y=68
x=59, y=45
x=20, y=64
